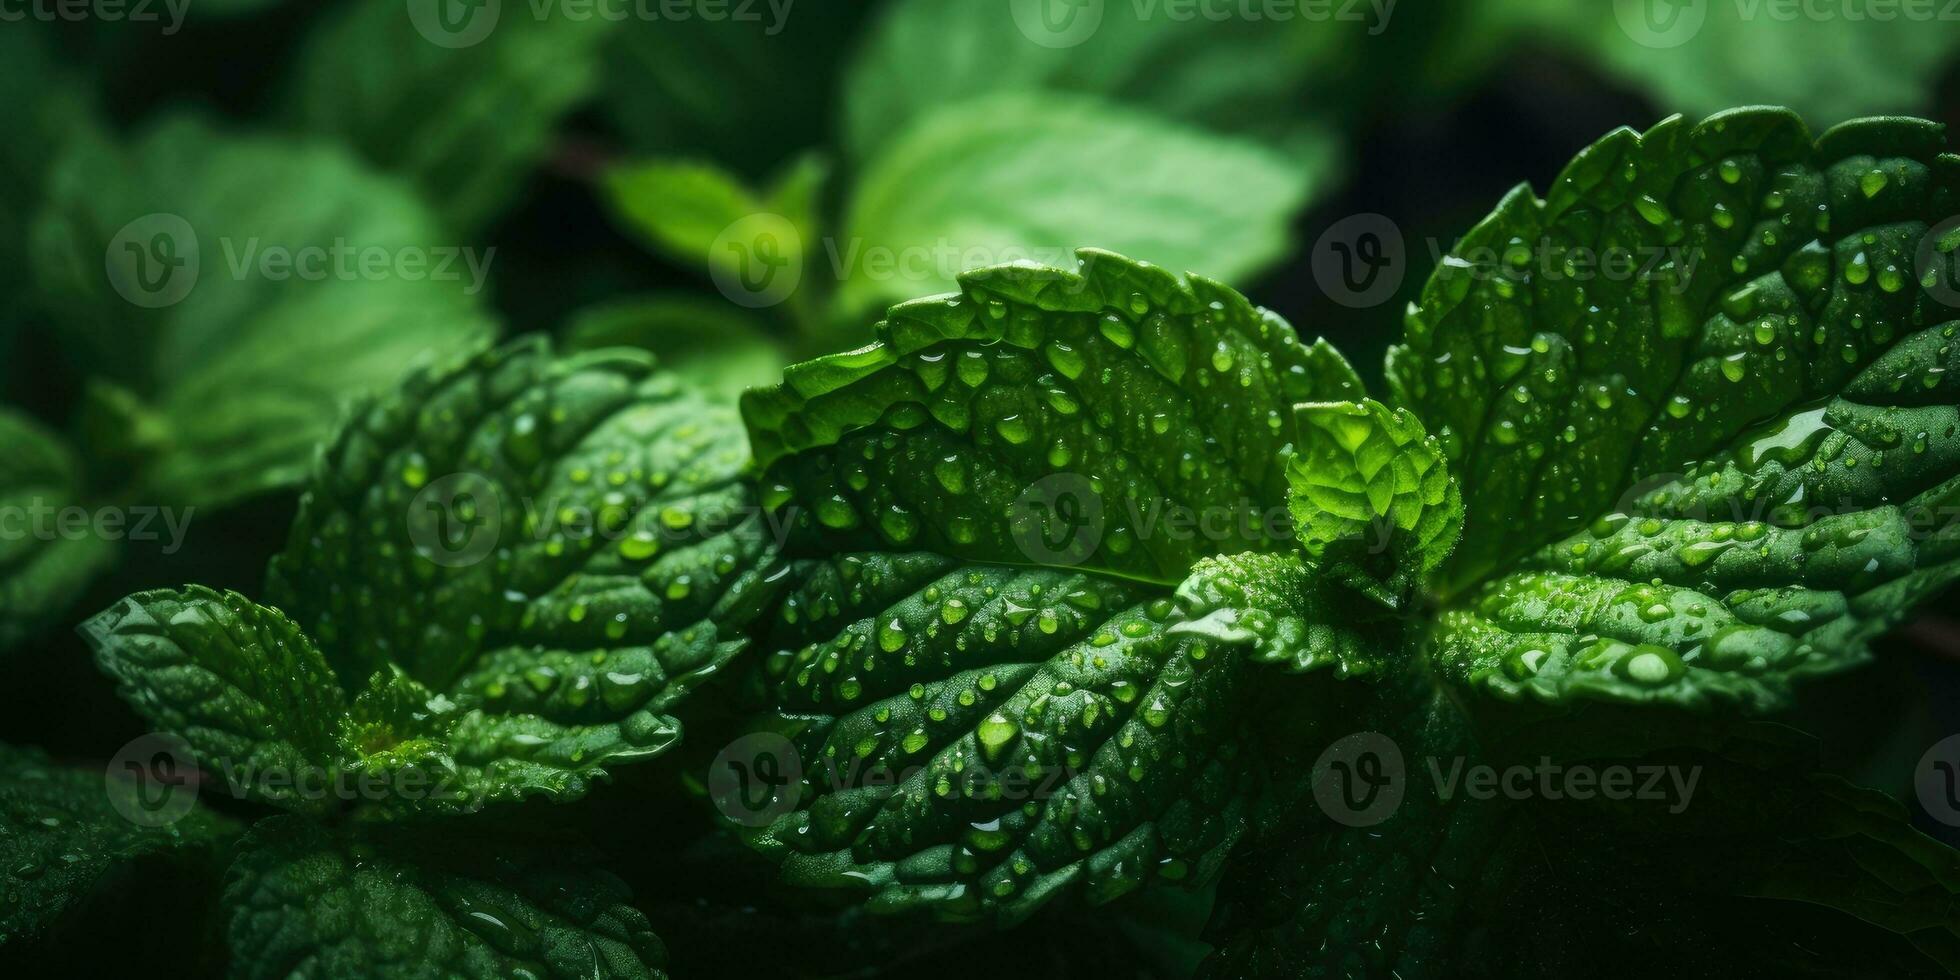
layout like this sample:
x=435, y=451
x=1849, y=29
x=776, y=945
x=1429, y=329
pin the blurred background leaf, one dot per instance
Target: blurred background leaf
x=465, y=124
x=246, y=372
x=43, y=567
x=1234, y=74
x=1030, y=176
x=1697, y=56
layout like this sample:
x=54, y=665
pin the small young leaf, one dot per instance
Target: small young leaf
x=307, y=901
x=1114, y=417
x=1372, y=496
x=60, y=833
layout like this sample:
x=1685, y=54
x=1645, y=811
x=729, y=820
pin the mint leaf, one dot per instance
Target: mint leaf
x=310, y=901
x=683, y=208
x=560, y=548
x=679, y=206
x=502, y=580
x=42, y=569
x=244, y=364
x=63, y=833
x=239, y=682
x=1372, y=496
x=974, y=740
x=980, y=421
x=719, y=347
x=598, y=507
x=1700, y=487
x=1233, y=74
x=465, y=123
x=1030, y=177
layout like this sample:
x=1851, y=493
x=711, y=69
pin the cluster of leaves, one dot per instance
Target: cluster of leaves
x=939, y=137
x=1585, y=522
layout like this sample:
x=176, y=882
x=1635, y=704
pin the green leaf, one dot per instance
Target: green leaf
x=1368, y=487
x=1699, y=486
x=44, y=562
x=1233, y=74
x=304, y=900
x=244, y=363
x=679, y=206
x=1113, y=417
x=516, y=568
x=1031, y=177
x=239, y=682
x=719, y=347
x=64, y=834
x=559, y=548
x=465, y=122
x=974, y=740
x=1701, y=58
